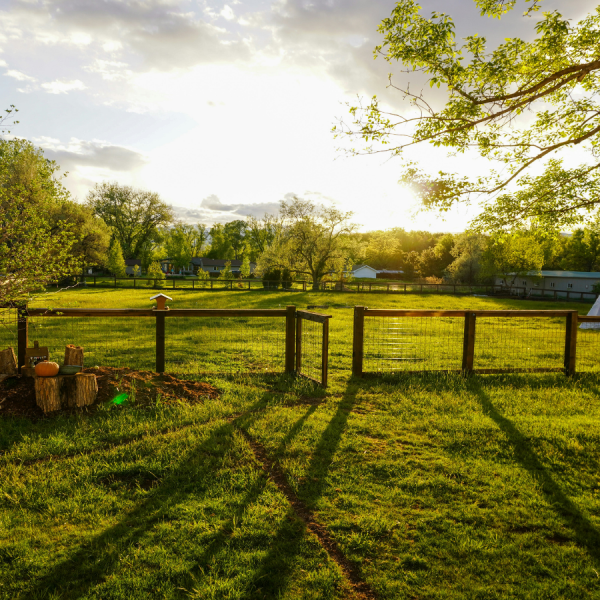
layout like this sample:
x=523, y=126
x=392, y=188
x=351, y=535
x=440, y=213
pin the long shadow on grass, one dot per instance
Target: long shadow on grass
x=316, y=476
x=586, y=534
x=96, y=560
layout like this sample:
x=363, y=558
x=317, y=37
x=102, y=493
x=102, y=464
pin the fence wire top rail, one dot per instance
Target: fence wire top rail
x=385, y=312
x=143, y=312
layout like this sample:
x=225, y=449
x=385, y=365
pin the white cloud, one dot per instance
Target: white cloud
x=63, y=87
x=3, y=63
x=227, y=13
x=110, y=70
x=19, y=76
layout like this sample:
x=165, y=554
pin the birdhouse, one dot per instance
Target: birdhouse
x=160, y=301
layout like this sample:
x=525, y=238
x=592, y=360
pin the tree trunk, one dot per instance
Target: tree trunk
x=8, y=362
x=47, y=393
x=74, y=355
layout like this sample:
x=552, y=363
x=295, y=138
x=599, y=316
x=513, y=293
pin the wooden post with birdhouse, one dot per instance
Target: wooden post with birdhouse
x=160, y=309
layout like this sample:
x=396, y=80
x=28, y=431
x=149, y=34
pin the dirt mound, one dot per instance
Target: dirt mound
x=121, y=386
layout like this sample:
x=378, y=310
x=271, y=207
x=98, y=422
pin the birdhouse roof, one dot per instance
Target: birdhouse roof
x=161, y=296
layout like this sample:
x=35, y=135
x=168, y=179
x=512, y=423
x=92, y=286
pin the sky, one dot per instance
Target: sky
x=223, y=107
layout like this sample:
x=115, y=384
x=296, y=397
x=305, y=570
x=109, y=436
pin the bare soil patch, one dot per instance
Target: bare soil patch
x=17, y=394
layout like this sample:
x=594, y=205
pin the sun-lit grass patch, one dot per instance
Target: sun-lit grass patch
x=434, y=486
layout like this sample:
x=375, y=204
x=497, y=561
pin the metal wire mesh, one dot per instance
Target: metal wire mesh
x=588, y=350
x=413, y=343
x=224, y=345
x=519, y=343
x=312, y=349
x=8, y=328
x=107, y=341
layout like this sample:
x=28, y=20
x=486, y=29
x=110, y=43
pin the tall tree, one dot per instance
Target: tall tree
x=523, y=103
x=115, y=261
x=261, y=233
x=184, y=242
x=314, y=240
x=134, y=215
x=220, y=245
x=467, y=251
x=91, y=233
x=235, y=234
x=511, y=256
x=32, y=252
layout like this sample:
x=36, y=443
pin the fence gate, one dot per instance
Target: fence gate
x=312, y=346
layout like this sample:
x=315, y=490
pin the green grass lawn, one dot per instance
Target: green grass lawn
x=430, y=486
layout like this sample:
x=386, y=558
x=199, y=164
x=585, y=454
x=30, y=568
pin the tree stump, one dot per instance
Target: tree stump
x=8, y=362
x=74, y=355
x=80, y=390
x=65, y=391
x=47, y=393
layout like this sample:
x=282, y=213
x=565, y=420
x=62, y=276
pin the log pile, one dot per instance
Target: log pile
x=65, y=391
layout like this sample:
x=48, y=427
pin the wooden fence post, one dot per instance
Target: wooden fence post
x=290, y=341
x=469, y=343
x=325, y=353
x=298, y=343
x=160, y=342
x=571, y=343
x=358, y=342
x=22, y=336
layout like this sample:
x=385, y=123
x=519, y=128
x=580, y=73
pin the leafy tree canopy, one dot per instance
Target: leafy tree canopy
x=314, y=240
x=524, y=104
x=34, y=251
x=134, y=215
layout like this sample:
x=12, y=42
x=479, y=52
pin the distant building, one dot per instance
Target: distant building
x=130, y=264
x=210, y=265
x=363, y=271
x=555, y=281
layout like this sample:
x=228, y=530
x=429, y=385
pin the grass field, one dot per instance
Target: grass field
x=419, y=486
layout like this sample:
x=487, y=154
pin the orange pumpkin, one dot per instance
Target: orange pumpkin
x=46, y=369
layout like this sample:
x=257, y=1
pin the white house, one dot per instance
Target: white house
x=363, y=271
x=560, y=282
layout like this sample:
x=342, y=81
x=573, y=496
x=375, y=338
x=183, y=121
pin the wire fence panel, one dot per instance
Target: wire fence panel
x=413, y=344
x=111, y=342
x=588, y=348
x=529, y=343
x=8, y=328
x=311, y=363
x=195, y=345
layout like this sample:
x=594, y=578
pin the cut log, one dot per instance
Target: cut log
x=84, y=390
x=8, y=362
x=47, y=393
x=65, y=391
x=74, y=355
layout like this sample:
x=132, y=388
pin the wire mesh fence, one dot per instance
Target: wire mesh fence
x=413, y=344
x=588, y=345
x=185, y=342
x=388, y=341
x=196, y=345
x=312, y=346
x=111, y=342
x=519, y=343
x=8, y=328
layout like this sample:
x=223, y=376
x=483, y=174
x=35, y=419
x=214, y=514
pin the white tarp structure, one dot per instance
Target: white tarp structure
x=594, y=312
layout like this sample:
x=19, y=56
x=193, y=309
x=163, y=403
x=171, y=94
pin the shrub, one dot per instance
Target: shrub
x=155, y=274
